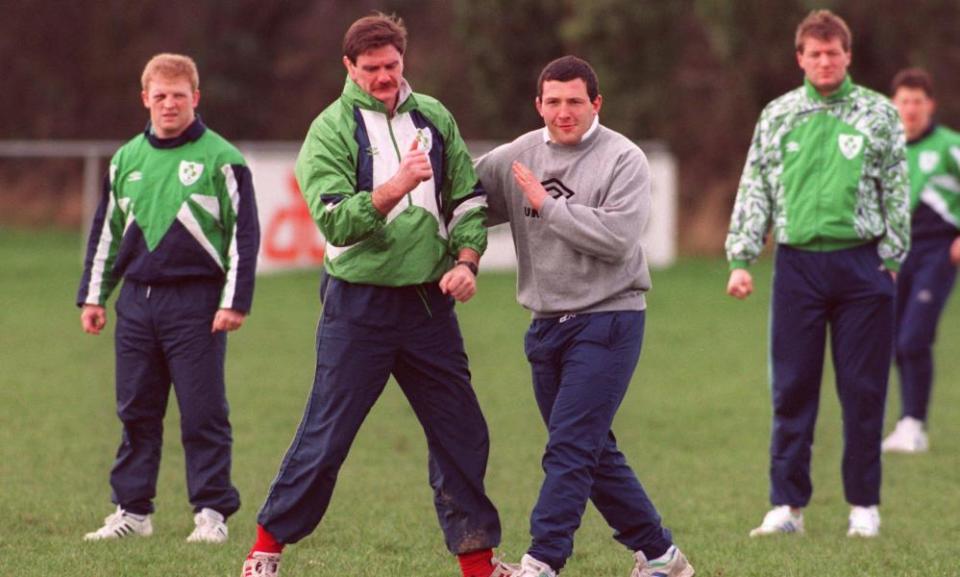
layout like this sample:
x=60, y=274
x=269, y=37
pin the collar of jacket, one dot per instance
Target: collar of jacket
x=846, y=87
x=191, y=134
x=356, y=96
x=924, y=135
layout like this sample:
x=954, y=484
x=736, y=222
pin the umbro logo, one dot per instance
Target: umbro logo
x=556, y=188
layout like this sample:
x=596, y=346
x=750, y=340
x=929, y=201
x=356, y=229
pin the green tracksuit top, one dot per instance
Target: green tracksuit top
x=353, y=147
x=174, y=210
x=827, y=173
x=934, y=160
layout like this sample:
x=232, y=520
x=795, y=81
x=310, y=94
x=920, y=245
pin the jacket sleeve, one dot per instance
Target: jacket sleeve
x=243, y=243
x=895, y=196
x=326, y=172
x=611, y=230
x=753, y=209
x=106, y=233
x=489, y=168
x=466, y=211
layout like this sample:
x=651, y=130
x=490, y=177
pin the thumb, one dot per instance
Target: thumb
x=413, y=145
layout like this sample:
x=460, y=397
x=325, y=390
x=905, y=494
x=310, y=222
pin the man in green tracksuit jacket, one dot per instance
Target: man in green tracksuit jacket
x=827, y=170
x=391, y=185
x=927, y=277
x=177, y=222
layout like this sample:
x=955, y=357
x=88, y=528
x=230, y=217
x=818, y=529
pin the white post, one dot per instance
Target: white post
x=90, y=193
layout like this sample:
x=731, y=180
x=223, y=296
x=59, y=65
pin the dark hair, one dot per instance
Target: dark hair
x=374, y=31
x=823, y=25
x=567, y=68
x=912, y=78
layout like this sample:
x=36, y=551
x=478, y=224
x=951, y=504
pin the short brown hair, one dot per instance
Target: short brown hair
x=567, y=68
x=374, y=31
x=824, y=25
x=912, y=78
x=171, y=66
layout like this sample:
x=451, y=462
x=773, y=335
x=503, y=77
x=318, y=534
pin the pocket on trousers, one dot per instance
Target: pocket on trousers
x=599, y=328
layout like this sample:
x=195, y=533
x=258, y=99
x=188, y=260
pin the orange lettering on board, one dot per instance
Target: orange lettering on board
x=291, y=235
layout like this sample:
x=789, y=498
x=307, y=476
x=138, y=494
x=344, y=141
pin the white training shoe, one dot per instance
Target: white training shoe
x=260, y=564
x=779, y=520
x=501, y=569
x=122, y=524
x=530, y=567
x=211, y=528
x=907, y=437
x=864, y=522
x=673, y=563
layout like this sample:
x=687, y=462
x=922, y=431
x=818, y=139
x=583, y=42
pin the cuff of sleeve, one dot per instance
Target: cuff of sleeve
x=736, y=263
x=241, y=307
x=891, y=264
x=473, y=244
x=366, y=201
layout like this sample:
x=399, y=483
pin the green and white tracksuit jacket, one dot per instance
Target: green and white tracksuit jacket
x=353, y=147
x=828, y=173
x=174, y=210
x=934, y=160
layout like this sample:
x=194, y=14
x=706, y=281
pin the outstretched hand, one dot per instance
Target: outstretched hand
x=529, y=184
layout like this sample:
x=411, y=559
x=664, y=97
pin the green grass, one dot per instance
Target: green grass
x=695, y=426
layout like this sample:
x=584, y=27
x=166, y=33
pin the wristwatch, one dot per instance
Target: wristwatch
x=470, y=265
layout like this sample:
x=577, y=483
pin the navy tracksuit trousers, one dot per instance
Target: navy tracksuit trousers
x=924, y=285
x=367, y=333
x=848, y=293
x=163, y=336
x=582, y=365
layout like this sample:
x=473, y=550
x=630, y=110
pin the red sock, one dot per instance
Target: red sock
x=265, y=542
x=477, y=563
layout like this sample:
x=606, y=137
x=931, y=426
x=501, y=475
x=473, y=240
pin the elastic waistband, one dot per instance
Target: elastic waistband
x=837, y=248
x=168, y=283
x=634, y=300
x=374, y=304
x=831, y=245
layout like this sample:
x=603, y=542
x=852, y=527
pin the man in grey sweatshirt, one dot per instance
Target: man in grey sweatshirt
x=577, y=197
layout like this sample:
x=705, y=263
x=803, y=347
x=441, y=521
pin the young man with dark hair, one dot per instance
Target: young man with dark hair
x=391, y=185
x=827, y=169
x=178, y=222
x=927, y=276
x=577, y=197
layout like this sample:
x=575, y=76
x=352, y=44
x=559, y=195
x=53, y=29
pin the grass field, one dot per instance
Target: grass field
x=695, y=426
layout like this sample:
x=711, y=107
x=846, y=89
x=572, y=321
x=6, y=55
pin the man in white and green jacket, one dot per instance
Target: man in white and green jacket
x=827, y=170
x=927, y=277
x=177, y=222
x=391, y=185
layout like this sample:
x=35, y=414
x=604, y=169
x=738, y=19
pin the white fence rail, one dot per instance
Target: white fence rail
x=289, y=237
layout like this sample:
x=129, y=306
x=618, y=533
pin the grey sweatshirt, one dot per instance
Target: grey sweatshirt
x=581, y=252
